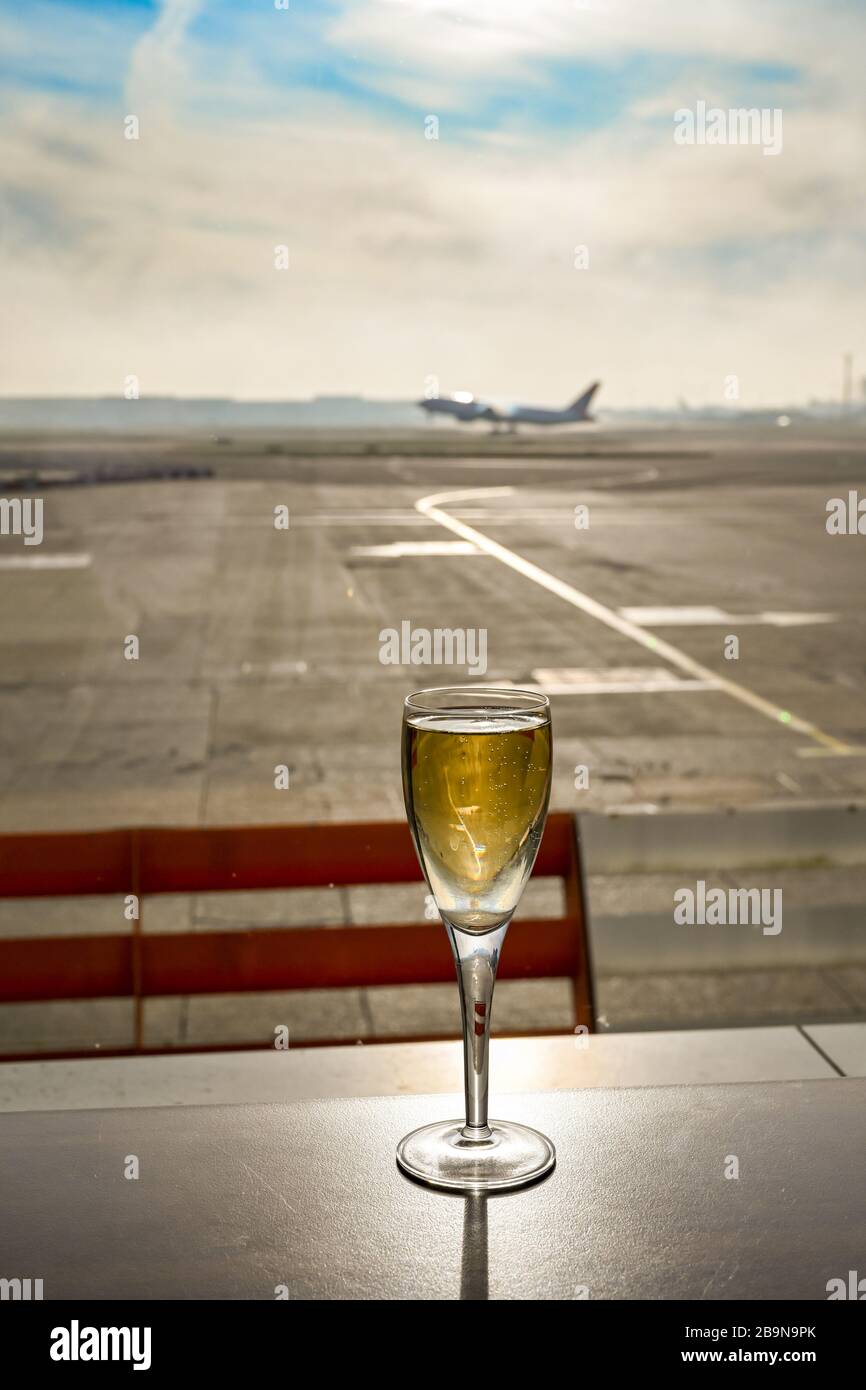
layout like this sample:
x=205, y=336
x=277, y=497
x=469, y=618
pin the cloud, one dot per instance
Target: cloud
x=160, y=67
x=410, y=256
x=504, y=40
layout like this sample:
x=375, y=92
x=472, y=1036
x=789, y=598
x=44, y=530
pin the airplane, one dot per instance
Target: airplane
x=464, y=407
x=461, y=406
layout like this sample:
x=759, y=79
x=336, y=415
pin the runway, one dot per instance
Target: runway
x=611, y=570
x=261, y=646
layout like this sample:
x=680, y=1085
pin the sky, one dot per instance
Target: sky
x=555, y=232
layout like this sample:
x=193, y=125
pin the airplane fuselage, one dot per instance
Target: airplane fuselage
x=458, y=410
x=537, y=415
x=468, y=409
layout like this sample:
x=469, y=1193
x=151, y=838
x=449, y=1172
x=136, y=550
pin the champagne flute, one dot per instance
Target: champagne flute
x=476, y=781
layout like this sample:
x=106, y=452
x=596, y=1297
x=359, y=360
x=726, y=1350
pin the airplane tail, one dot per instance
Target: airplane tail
x=582, y=404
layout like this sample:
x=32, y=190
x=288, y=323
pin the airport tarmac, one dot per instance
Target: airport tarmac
x=611, y=568
x=260, y=646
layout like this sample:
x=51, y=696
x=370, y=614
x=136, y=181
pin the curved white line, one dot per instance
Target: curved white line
x=429, y=506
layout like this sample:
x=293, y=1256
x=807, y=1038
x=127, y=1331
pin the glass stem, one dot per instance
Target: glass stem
x=476, y=959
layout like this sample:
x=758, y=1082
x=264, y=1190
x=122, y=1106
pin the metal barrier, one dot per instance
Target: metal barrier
x=149, y=861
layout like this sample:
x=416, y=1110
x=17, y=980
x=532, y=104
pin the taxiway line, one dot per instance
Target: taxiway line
x=432, y=507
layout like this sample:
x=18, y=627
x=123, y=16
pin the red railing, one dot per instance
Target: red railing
x=157, y=860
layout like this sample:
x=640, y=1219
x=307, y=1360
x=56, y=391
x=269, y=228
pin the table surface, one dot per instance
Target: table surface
x=234, y=1201
x=559, y=1063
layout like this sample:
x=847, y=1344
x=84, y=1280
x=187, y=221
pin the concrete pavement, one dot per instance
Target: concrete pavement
x=260, y=648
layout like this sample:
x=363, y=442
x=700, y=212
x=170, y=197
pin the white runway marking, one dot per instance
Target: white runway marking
x=45, y=562
x=430, y=506
x=792, y=619
x=552, y=462
x=613, y=680
x=842, y=752
x=382, y=518
x=710, y=616
x=396, y=550
x=550, y=515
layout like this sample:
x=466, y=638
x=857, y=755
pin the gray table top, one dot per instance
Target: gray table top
x=234, y=1201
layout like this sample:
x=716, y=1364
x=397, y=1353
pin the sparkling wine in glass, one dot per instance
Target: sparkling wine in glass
x=476, y=781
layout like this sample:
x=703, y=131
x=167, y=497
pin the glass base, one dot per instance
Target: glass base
x=508, y=1155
